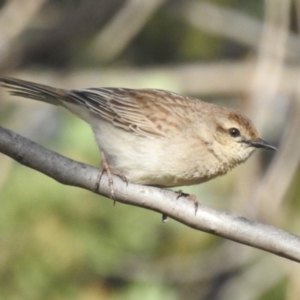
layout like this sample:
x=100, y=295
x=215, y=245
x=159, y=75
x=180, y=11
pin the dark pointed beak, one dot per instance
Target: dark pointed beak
x=260, y=143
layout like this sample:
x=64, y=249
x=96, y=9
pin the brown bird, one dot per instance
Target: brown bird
x=155, y=137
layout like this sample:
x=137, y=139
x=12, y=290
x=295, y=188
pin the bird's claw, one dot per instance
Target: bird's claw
x=190, y=197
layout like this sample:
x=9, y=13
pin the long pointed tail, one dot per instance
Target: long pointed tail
x=34, y=91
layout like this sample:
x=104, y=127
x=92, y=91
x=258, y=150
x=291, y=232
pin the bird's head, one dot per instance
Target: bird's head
x=236, y=138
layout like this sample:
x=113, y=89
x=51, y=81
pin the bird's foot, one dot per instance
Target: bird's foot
x=193, y=198
x=106, y=168
x=180, y=193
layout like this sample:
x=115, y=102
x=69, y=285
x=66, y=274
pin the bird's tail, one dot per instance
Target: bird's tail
x=35, y=91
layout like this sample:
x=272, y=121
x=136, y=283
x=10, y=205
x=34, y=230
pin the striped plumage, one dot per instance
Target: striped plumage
x=155, y=137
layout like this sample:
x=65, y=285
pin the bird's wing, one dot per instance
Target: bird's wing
x=144, y=112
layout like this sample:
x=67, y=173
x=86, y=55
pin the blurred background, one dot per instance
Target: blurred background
x=59, y=242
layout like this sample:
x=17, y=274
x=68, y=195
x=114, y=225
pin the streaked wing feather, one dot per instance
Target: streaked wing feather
x=140, y=111
x=144, y=112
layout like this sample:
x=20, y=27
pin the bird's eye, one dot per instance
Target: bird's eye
x=234, y=132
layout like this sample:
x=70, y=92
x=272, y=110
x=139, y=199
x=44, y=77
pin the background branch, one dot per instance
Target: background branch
x=12, y=23
x=213, y=79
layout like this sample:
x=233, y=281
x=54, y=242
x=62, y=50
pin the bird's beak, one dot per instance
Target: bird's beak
x=260, y=143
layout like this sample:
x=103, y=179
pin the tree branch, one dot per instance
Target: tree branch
x=69, y=172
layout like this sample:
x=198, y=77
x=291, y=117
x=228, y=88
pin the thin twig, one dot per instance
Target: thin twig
x=124, y=26
x=14, y=17
x=232, y=24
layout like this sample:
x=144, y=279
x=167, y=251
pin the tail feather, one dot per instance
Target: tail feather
x=35, y=91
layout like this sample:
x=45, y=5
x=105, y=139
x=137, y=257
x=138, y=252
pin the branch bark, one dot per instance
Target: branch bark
x=69, y=172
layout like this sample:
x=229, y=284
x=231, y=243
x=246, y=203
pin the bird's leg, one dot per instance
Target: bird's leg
x=106, y=168
x=190, y=197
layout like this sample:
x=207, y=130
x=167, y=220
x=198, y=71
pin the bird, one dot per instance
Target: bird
x=154, y=137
